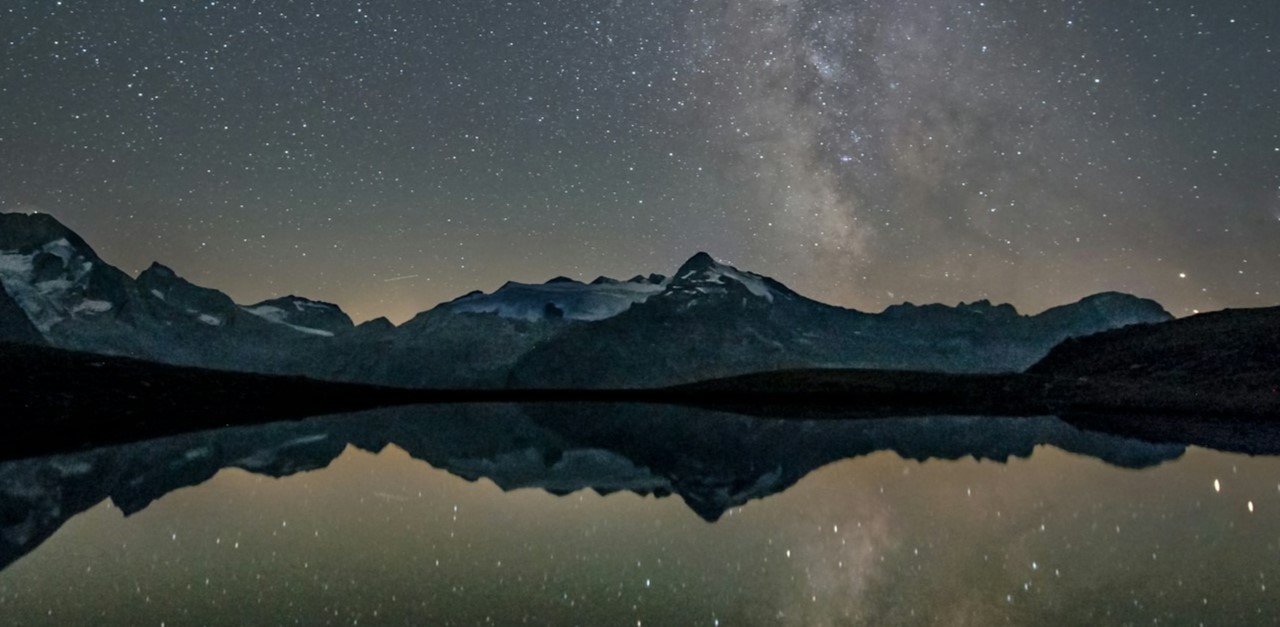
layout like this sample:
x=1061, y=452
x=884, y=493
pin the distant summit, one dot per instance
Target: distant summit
x=304, y=314
x=208, y=306
x=602, y=298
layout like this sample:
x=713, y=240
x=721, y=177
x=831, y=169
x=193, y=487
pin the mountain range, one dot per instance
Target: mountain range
x=706, y=320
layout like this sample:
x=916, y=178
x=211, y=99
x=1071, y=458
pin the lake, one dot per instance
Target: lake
x=641, y=515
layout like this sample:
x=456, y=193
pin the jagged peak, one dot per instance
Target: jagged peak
x=984, y=305
x=701, y=272
x=158, y=270
x=699, y=262
x=652, y=279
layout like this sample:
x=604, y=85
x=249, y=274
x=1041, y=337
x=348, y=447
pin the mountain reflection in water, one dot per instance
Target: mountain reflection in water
x=880, y=537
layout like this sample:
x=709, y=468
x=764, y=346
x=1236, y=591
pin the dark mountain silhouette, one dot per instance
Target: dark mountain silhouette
x=1229, y=360
x=1224, y=364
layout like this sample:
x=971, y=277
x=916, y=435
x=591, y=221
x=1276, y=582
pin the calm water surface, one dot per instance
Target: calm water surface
x=615, y=515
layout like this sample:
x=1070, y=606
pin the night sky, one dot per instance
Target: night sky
x=390, y=155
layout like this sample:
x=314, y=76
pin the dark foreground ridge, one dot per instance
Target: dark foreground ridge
x=57, y=400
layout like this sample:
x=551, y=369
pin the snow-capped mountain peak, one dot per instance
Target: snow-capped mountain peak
x=52, y=281
x=702, y=274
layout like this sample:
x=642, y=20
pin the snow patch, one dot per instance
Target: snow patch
x=303, y=305
x=306, y=439
x=49, y=302
x=267, y=457
x=212, y=321
x=54, y=286
x=200, y=452
x=281, y=317
x=269, y=313
x=92, y=306
x=19, y=265
x=309, y=330
x=71, y=467
x=717, y=274
x=576, y=470
x=753, y=283
x=60, y=247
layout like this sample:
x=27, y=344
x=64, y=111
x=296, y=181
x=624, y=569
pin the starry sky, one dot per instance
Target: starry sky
x=390, y=155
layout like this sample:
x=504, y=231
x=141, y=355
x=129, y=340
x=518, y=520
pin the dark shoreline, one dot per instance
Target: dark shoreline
x=58, y=401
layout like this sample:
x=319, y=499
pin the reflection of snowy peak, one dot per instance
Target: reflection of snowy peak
x=560, y=449
x=579, y=469
x=561, y=298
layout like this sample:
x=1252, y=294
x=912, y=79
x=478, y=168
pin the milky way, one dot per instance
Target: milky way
x=863, y=152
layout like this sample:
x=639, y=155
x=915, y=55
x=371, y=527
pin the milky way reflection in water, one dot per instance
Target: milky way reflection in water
x=495, y=515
